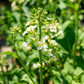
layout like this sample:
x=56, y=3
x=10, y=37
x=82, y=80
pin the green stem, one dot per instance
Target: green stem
x=76, y=33
x=23, y=65
x=3, y=73
x=40, y=54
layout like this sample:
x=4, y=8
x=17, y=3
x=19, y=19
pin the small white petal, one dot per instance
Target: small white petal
x=24, y=33
x=29, y=47
x=53, y=42
x=34, y=65
x=50, y=54
x=27, y=23
x=39, y=48
x=38, y=65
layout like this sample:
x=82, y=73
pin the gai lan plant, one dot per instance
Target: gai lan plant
x=40, y=35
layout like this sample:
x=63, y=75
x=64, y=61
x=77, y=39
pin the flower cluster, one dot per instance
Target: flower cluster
x=37, y=65
x=49, y=31
x=27, y=45
x=15, y=30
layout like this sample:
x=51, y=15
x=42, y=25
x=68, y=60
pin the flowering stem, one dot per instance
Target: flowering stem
x=76, y=32
x=23, y=64
x=40, y=54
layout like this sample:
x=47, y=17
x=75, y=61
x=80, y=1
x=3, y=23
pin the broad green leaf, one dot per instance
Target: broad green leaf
x=78, y=71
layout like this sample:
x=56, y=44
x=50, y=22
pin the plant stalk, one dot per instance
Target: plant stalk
x=76, y=33
x=40, y=54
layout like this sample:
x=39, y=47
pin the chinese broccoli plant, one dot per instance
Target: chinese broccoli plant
x=40, y=35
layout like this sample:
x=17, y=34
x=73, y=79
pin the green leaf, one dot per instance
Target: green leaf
x=78, y=71
x=82, y=79
x=56, y=81
x=69, y=79
x=32, y=57
x=56, y=73
x=62, y=5
x=17, y=16
x=16, y=70
x=26, y=78
x=19, y=37
x=26, y=1
x=21, y=55
x=25, y=9
x=68, y=68
x=9, y=53
x=65, y=24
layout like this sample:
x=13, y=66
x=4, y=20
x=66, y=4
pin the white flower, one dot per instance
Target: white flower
x=61, y=32
x=39, y=48
x=50, y=54
x=45, y=46
x=45, y=38
x=28, y=23
x=31, y=28
x=54, y=58
x=34, y=65
x=47, y=50
x=24, y=33
x=38, y=65
x=53, y=43
x=27, y=45
x=43, y=27
x=53, y=28
x=43, y=63
x=49, y=18
x=41, y=45
x=51, y=35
